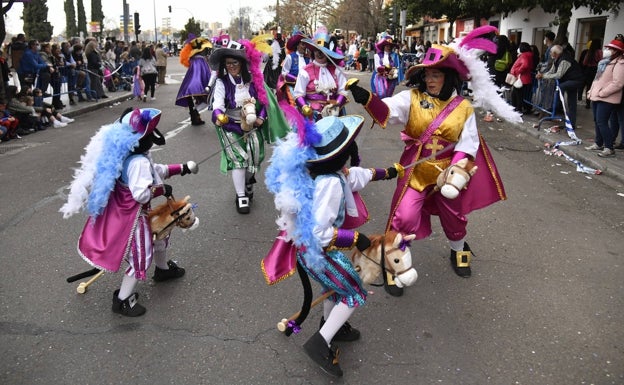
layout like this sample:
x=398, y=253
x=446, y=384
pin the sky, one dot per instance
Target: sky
x=182, y=10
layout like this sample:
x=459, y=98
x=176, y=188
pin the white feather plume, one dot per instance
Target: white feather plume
x=83, y=176
x=275, y=47
x=484, y=90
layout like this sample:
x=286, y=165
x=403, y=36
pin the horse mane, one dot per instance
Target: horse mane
x=166, y=208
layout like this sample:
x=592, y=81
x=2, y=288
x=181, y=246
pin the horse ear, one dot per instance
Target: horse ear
x=187, y=198
x=409, y=237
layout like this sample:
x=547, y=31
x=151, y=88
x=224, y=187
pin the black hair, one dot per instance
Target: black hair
x=451, y=82
x=334, y=164
x=244, y=70
x=524, y=47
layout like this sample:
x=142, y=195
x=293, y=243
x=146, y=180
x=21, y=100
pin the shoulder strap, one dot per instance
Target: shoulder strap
x=446, y=111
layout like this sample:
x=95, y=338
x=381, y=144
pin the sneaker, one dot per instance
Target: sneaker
x=316, y=348
x=460, y=260
x=594, y=147
x=173, y=272
x=607, y=153
x=58, y=124
x=152, y=98
x=129, y=306
x=346, y=332
x=65, y=119
x=242, y=205
x=144, y=98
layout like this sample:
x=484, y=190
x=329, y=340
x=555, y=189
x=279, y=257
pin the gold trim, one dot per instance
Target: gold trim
x=463, y=258
x=280, y=279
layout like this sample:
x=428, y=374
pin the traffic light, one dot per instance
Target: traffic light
x=137, y=26
x=169, y=9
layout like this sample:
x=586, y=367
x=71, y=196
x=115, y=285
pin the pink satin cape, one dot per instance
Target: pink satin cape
x=105, y=241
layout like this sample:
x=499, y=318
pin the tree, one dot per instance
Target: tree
x=97, y=14
x=82, y=18
x=70, y=19
x=36, y=25
x=5, y=9
x=192, y=27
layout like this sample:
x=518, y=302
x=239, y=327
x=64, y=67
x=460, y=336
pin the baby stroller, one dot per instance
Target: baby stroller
x=113, y=79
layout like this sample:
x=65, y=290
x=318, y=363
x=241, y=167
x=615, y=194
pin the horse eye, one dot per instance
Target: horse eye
x=397, y=260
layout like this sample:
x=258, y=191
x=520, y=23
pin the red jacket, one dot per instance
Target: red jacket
x=523, y=66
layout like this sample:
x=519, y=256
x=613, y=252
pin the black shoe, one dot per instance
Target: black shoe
x=104, y=97
x=173, y=272
x=619, y=146
x=72, y=102
x=22, y=132
x=390, y=287
x=316, y=348
x=346, y=332
x=460, y=260
x=242, y=205
x=129, y=306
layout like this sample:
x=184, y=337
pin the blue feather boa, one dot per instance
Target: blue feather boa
x=287, y=177
x=119, y=141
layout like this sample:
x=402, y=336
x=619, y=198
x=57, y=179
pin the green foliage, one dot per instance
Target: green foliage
x=70, y=19
x=97, y=14
x=82, y=18
x=36, y=25
x=191, y=27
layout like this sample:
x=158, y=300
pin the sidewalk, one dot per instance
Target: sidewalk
x=83, y=107
x=611, y=167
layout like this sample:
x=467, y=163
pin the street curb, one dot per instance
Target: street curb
x=85, y=107
x=579, y=153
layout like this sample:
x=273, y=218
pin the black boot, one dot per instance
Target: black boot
x=316, y=348
x=390, y=286
x=249, y=186
x=460, y=260
x=196, y=119
x=346, y=332
x=129, y=306
x=173, y=272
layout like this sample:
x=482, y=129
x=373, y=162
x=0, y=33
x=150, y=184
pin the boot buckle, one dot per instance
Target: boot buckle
x=463, y=258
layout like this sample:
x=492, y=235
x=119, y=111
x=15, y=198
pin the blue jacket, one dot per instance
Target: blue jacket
x=31, y=63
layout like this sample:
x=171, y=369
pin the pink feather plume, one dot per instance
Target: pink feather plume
x=475, y=39
x=255, y=61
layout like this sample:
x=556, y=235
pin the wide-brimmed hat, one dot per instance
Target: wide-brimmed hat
x=234, y=50
x=616, y=44
x=322, y=41
x=337, y=133
x=384, y=41
x=294, y=40
x=142, y=121
x=441, y=56
x=199, y=44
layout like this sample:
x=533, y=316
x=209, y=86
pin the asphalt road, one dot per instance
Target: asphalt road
x=544, y=304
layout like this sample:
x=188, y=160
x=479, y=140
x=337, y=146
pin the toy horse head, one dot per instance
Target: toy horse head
x=248, y=114
x=397, y=260
x=455, y=178
x=166, y=216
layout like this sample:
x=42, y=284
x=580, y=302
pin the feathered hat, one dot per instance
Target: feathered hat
x=463, y=56
x=323, y=42
x=296, y=37
x=143, y=121
x=384, y=41
x=337, y=133
x=440, y=56
x=192, y=47
x=233, y=49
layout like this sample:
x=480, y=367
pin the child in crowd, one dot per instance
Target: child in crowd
x=138, y=86
x=48, y=115
x=8, y=124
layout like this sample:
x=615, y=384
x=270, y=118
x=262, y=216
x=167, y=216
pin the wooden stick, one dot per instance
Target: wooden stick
x=82, y=287
x=283, y=324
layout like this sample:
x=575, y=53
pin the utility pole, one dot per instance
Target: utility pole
x=126, y=15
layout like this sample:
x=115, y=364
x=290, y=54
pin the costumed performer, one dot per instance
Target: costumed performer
x=239, y=79
x=317, y=195
x=320, y=87
x=296, y=60
x=388, y=70
x=116, y=182
x=440, y=128
x=195, y=86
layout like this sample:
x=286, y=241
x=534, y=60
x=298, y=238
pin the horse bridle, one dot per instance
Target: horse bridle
x=382, y=264
x=176, y=214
